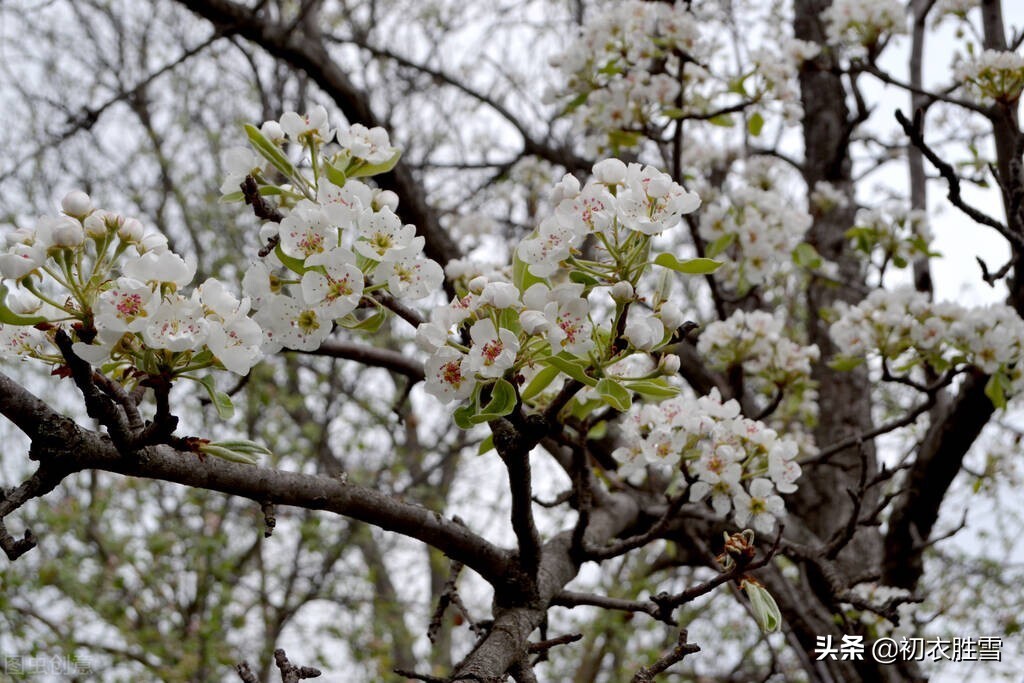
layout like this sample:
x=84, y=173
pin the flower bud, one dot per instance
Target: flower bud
x=610, y=172
x=622, y=292
x=500, y=294
x=65, y=232
x=131, y=231
x=96, y=224
x=272, y=131
x=533, y=322
x=76, y=203
x=477, y=284
x=671, y=316
x=23, y=303
x=154, y=241
x=385, y=199
x=669, y=364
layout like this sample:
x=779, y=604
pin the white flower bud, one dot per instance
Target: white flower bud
x=76, y=203
x=669, y=364
x=477, y=284
x=610, y=172
x=622, y=292
x=96, y=224
x=154, y=242
x=272, y=131
x=385, y=199
x=533, y=322
x=500, y=294
x=23, y=303
x=131, y=231
x=671, y=316
x=65, y=232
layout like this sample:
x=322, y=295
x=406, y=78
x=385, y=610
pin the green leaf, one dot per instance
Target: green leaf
x=9, y=317
x=575, y=103
x=334, y=174
x=614, y=394
x=806, y=256
x=269, y=150
x=221, y=401
x=463, y=415
x=227, y=454
x=694, y=266
x=582, y=278
x=845, y=363
x=598, y=431
x=723, y=120
x=290, y=262
x=652, y=388
x=755, y=123
x=620, y=139
x=375, y=169
x=503, y=402
x=540, y=382
x=572, y=366
x=996, y=388
x=720, y=245
x=737, y=86
x=486, y=445
x=522, y=278
x=371, y=323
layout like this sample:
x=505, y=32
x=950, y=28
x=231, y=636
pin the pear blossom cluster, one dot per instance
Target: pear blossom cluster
x=903, y=327
x=992, y=76
x=510, y=326
x=772, y=361
x=625, y=74
x=739, y=465
x=608, y=70
x=863, y=23
x=891, y=234
x=120, y=292
x=645, y=201
x=880, y=597
x=758, y=228
x=339, y=240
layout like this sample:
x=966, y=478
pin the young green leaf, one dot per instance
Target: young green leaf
x=694, y=266
x=614, y=394
x=269, y=150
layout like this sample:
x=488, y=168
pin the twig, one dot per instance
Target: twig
x=246, y=673
x=291, y=673
x=913, y=131
x=682, y=649
x=368, y=355
x=574, y=599
x=545, y=645
x=824, y=454
x=269, y=519
x=419, y=677
x=666, y=602
x=640, y=540
x=448, y=594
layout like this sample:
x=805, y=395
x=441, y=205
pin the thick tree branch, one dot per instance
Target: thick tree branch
x=66, y=447
x=939, y=459
x=371, y=355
